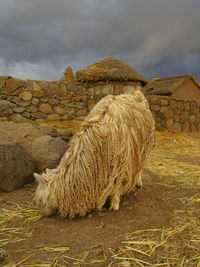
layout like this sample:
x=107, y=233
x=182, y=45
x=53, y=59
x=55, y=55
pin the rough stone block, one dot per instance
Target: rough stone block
x=53, y=117
x=60, y=111
x=16, y=166
x=155, y=108
x=173, y=104
x=45, y=108
x=38, y=115
x=47, y=152
x=19, y=109
x=14, y=83
x=163, y=102
x=4, y=104
x=26, y=96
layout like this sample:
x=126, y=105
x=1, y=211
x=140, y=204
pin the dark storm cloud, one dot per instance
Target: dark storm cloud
x=40, y=38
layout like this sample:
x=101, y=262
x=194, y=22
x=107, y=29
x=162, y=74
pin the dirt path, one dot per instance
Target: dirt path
x=166, y=210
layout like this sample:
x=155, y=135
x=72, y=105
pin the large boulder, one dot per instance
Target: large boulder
x=16, y=166
x=47, y=152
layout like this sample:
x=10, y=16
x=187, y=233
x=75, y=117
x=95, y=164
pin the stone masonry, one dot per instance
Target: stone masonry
x=40, y=101
x=175, y=114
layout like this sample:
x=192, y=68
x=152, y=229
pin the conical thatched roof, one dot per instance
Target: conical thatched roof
x=109, y=69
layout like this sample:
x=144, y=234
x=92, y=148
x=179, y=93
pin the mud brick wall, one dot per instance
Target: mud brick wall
x=175, y=114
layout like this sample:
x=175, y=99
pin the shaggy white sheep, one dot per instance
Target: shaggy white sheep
x=105, y=159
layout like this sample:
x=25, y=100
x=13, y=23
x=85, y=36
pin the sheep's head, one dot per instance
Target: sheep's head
x=43, y=196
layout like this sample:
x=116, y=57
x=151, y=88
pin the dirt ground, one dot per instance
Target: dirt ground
x=159, y=225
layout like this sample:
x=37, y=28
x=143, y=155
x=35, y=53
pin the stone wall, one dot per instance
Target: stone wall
x=175, y=114
x=52, y=100
x=43, y=100
x=66, y=99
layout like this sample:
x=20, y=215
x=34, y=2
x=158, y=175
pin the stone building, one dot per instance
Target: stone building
x=110, y=76
x=183, y=86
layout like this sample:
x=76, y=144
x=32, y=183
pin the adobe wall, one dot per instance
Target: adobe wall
x=175, y=114
x=188, y=90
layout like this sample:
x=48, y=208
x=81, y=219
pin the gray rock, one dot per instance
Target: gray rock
x=47, y=152
x=16, y=166
x=19, y=109
x=19, y=118
x=177, y=127
x=65, y=135
x=5, y=105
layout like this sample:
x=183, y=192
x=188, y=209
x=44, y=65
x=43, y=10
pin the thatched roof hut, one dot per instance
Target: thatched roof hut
x=110, y=69
x=182, y=86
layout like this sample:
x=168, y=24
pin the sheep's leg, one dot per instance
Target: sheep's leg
x=138, y=182
x=115, y=199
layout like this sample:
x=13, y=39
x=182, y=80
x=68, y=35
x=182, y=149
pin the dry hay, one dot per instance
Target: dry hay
x=23, y=216
x=166, y=160
x=179, y=244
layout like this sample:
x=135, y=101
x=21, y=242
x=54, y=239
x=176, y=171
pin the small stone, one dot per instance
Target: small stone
x=84, y=98
x=169, y=114
x=36, y=87
x=53, y=117
x=155, y=108
x=91, y=91
x=184, y=116
x=53, y=101
x=68, y=117
x=187, y=106
x=45, y=108
x=26, y=96
x=155, y=100
x=14, y=83
x=196, y=111
x=180, y=105
x=177, y=127
x=32, y=109
x=38, y=115
x=19, y=118
x=107, y=89
x=5, y=105
x=80, y=105
x=192, y=118
x=19, y=109
x=164, y=110
x=35, y=101
x=60, y=111
x=163, y=102
x=7, y=112
x=2, y=81
x=176, y=117
x=173, y=104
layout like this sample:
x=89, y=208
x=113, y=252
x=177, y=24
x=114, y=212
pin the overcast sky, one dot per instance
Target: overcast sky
x=39, y=39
